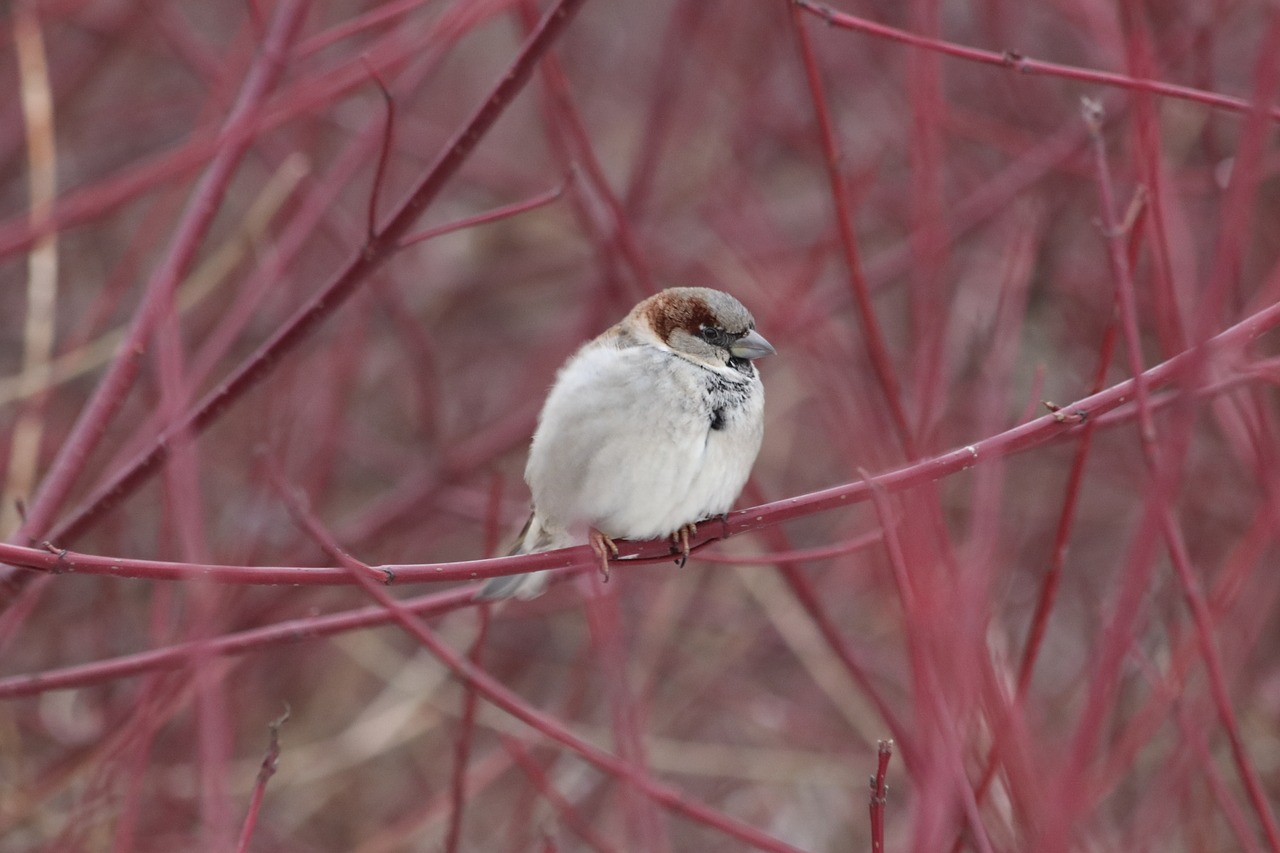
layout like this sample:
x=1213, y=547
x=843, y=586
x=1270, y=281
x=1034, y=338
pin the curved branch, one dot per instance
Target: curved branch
x=1065, y=421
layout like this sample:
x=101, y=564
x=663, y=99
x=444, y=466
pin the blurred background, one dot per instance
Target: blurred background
x=1073, y=646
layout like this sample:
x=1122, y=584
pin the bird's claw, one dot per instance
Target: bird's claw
x=680, y=542
x=604, y=548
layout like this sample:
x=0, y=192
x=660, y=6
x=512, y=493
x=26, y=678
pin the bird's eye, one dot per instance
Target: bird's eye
x=711, y=334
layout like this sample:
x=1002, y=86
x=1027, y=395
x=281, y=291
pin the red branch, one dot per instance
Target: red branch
x=1011, y=59
x=373, y=254
x=880, y=795
x=499, y=695
x=877, y=349
x=110, y=393
x=1052, y=426
x=270, y=761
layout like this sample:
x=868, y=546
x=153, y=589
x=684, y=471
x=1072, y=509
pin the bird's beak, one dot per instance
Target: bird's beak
x=751, y=345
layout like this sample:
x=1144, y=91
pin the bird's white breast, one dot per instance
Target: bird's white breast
x=624, y=442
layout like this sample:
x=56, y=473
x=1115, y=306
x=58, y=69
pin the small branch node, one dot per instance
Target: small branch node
x=1134, y=210
x=1091, y=110
x=271, y=760
x=53, y=549
x=1014, y=59
x=1063, y=416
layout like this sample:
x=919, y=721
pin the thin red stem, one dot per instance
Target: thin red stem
x=462, y=743
x=877, y=349
x=572, y=817
x=1015, y=61
x=1173, y=538
x=568, y=124
x=497, y=213
x=1058, y=425
x=270, y=761
x=384, y=149
x=110, y=393
x=880, y=795
x=507, y=700
x=371, y=256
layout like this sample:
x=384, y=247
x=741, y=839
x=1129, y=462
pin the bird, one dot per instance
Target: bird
x=649, y=428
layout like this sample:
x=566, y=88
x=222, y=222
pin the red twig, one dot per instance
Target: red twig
x=571, y=816
x=506, y=210
x=1011, y=59
x=462, y=743
x=844, y=651
x=576, y=145
x=1173, y=538
x=1203, y=632
x=87, y=203
x=372, y=255
x=880, y=795
x=384, y=149
x=270, y=762
x=1169, y=321
x=644, y=830
x=507, y=700
x=877, y=349
x=236, y=643
x=1247, y=173
x=1228, y=587
x=1116, y=236
x=382, y=14
x=941, y=748
x=686, y=21
x=110, y=393
x=1049, y=585
x=796, y=555
x=1015, y=440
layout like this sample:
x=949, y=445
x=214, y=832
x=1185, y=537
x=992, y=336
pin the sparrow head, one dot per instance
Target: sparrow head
x=703, y=325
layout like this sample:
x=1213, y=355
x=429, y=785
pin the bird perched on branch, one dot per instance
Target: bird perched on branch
x=649, y=428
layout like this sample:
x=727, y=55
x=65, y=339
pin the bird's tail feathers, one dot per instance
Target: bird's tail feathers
x=534, y=538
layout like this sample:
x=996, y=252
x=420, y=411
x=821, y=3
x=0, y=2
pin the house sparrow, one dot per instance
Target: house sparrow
x=649, y=428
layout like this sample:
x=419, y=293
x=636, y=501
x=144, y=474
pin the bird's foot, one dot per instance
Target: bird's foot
x=604, y=548
x=680, y=542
